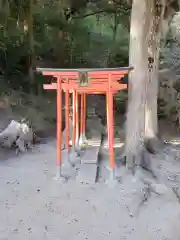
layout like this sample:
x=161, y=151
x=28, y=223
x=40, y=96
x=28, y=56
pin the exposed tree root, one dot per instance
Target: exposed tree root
x=145, y=161
x=149, y=180
x=149, y=183
x=142, y=197
x=153, y=145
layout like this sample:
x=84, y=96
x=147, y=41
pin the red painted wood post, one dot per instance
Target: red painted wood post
x=84, y=116
x=77, y=120
x=59, y=127
x=67, y=118
x=110, y=125
x=74, y=119
x=82, y=138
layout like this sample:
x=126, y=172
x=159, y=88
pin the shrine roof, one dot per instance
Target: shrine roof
x=83, y=69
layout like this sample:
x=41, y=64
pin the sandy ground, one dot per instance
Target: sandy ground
x=35, y=206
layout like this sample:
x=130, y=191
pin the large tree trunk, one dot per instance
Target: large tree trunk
x=151, y=121
x=30, y=35
x=143, y=89
x=140, y=22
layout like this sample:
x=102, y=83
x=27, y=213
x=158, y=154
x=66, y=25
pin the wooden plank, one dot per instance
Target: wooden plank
x=50, y=86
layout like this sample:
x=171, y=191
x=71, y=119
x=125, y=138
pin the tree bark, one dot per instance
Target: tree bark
x=30, y=35
x=138, y=58
x=151, y=120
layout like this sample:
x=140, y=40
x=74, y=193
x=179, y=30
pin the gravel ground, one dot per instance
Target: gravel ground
x=35, y=206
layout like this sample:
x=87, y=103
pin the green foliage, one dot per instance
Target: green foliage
x=61, y=37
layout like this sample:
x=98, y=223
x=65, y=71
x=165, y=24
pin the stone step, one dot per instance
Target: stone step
x=88, y=169
x=90, y=155
x=117, y=143
x=87, y=173
x=94, y=142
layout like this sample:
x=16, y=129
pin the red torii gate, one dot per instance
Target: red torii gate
x=84, y=81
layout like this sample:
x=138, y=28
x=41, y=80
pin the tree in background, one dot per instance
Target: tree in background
x=145, y=39
x=60, y=33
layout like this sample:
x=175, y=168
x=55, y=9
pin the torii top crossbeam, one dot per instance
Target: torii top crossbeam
x=90, y=80
x=81, y=82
